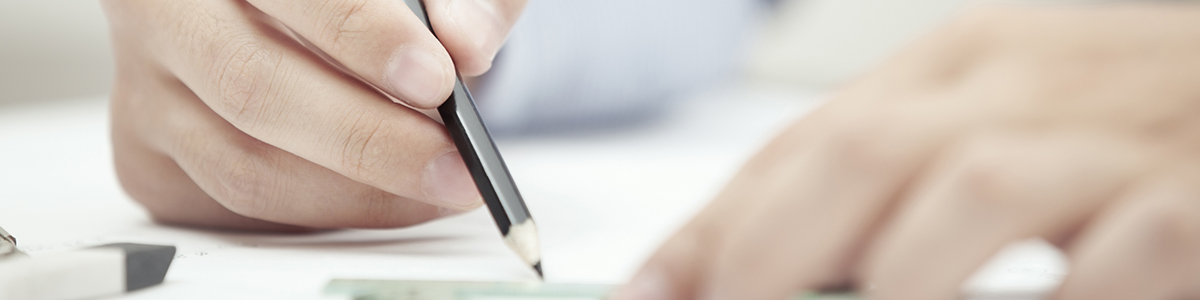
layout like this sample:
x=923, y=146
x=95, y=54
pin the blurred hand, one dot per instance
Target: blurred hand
x=1080, y=125
x=269, y=114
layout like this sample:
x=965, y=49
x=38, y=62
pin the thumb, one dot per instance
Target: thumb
x=473, y=30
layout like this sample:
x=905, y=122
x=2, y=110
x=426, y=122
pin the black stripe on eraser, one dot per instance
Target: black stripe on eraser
x=145, y=265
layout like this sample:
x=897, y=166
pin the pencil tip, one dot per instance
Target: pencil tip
x=538, y=267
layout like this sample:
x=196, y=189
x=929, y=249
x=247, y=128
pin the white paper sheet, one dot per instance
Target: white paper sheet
x=603, y=202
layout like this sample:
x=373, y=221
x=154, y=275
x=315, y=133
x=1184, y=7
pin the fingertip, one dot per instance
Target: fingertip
x=447, y=212
x=481, y=23
x=447, y=183
x=420, y=77
x=473, y=31
x=476, y=69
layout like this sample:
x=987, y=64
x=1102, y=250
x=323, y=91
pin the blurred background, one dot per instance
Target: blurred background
x=53, y=49
x=58, y=49
x=739, y=71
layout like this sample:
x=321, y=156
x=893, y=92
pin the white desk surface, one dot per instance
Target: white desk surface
x=603, y=202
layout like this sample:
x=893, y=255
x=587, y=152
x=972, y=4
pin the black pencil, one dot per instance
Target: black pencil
x=487, y=167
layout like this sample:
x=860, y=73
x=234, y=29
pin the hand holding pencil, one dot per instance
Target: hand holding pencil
x=227, y=114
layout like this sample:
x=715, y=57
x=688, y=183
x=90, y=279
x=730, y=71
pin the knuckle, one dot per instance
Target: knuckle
x=244, y=188
x=141, y=188
x=1172, y=221
x=861, y=144
x=986, y=19
x=346, y=22
x=364, y=150
x=953, y=52
x=981, y=27
x=985, y=173
x=859, y=150
x=245, y=69
x=378, y=211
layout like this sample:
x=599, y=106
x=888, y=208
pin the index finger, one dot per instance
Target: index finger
x=381, y=41
x=386, y=44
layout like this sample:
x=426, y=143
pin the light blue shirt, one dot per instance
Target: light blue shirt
x=573, y=64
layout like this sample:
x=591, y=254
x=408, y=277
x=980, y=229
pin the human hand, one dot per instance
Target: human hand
x=225, y=114
x=1075, y=124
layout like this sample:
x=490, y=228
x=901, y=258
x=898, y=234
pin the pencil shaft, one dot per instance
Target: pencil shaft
x=487, y=168
x=483, y=160
x=475, y=145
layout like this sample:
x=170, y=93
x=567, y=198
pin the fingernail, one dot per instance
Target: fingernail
x=446, y=212
x=480, y=22
x=418, y=76
x=648, y=284
x=447, y=181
